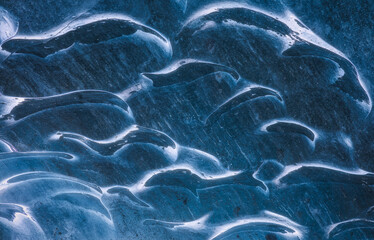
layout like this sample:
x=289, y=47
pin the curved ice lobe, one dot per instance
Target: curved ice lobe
x=268, y=227
x=187, y=70
x=184, y=178
x=244, y=95
x=18, y=163
x=271, y=16
x=16, y=222
x=50, y=196
x=350, y=227
x=135, y=134
x=289, y=127
x=26, y=176
x=8, y=25
x=94, y=120
x=29, y=178
x=89, y=33
x=349, y=83
x=29, y=106
x=103, y=52
x=239, y=15
x=225, y=15
x=266, y=224
x=86, y=201
x=8, y=28
x=323, y=173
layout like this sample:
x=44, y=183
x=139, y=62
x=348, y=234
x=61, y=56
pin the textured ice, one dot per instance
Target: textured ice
x=186, y=119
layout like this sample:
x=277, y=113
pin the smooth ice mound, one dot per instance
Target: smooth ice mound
x=179, y=119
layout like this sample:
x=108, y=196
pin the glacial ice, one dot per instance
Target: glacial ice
x=180, y=119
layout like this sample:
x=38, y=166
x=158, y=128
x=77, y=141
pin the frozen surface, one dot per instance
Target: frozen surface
x=186, y=119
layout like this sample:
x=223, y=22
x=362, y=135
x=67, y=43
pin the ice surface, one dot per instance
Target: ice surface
x=184, y=119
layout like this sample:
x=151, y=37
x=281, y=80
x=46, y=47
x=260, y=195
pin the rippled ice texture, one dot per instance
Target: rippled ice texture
x=184, y=119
